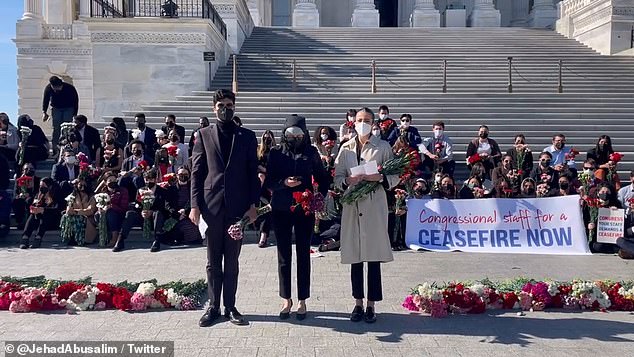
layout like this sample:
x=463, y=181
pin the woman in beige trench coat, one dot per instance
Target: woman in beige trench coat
x=364, y=235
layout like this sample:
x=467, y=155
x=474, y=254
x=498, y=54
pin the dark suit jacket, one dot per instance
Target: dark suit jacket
x=220, y=187
x=179, y=130
x=165, y=202
x=92, y=140
x=149, y=140
x=59, y=173
x=127, y=163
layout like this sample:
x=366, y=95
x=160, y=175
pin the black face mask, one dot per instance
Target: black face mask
x=170, y=124
x=449, y=188
x=603, y=196
x=183, y=178
x=113, y=185
x=545, y=163
x=530, y=191
x=268, y=141
x=110, y=141
x=484, y=135
x=141, y=126
x=564, y=185
x=150, y=185
x=225, y=114
x=43, y=190
x=295, y=143
x=138, y=153
x=29, y=172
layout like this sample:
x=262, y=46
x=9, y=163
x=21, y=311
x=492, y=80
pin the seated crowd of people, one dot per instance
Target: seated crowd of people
x=125, y=164
x=101, y=186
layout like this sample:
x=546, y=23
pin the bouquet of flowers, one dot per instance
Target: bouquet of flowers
x=67, y=129
x=615, y=158
x=473, y=159
x=136, y=133
x=522, y=150
x=478, y=192
x=24, y=183
x=593, y=207
x=103, y=202
x=145, y=200
x=571, y=155
x=236, y=231
x=385, y=125
x=82, y=158
x=168, y=180
x=397, y=166
x=26, y=132
x=172, y=154
x=310, y=202
x=542, y=190
x=438, y=148
x=143, y=165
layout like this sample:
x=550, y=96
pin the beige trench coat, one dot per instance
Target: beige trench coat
x=364, y=235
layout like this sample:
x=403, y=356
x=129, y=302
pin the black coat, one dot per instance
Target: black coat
x=220, y=187
x=60, y=175
x=149, y=140
x=92, y=140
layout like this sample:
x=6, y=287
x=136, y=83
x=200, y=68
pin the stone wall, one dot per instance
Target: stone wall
x=604, y=25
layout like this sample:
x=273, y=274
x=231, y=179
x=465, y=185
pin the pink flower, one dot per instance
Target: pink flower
x=409, y=303
x=526, y=301
x=439, y=309
x=101, y=305
x=138, y=302
x=188, y=304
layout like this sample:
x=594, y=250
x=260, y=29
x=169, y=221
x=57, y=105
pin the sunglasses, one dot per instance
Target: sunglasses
x=405, y=120
x=222, y=106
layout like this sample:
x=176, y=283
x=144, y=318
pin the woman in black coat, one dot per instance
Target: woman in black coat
x=291, y=168
x=488, y=149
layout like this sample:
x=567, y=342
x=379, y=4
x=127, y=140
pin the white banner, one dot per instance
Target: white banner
x=611, y=225
x=497, y=225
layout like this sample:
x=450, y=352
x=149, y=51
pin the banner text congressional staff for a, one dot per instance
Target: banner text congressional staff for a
x=497, y=225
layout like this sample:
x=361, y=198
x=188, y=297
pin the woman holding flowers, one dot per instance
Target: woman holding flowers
x=364, y=236
x=605, y=197
x=45, y=214
x=114, y=212
x=291, y=168
x=325, y=141
x=110, y=155
x=78, y=224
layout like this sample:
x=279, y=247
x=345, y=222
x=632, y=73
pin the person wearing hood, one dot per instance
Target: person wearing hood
x=224, y=189
x=528, y=188
x=37, y=145
x=291, y=168
x=364, y=224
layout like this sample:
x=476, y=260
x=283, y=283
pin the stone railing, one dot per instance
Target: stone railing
x=57, y=32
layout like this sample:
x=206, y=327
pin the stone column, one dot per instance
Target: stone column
x=484, y=14
x=32, y=9
x=59, y=12
x=520, y=13
x=255, y=12
x=305, y=14
x=425, y=14
x=365, y=14
x=30, y=26
x=543, y=14
x=84, y=8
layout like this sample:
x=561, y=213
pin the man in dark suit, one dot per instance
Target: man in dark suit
x=225, y=187
x=65, y=172
x=146, y=135
x=89, y=135
x=170, y=124
x=131, y=172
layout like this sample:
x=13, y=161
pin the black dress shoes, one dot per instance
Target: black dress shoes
x=370, y=315
x=119, y=246
x=235, y=317
x=156, y=246
x=209, y=318
x=357, y=314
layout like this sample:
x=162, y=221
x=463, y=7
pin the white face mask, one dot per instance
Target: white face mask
x=350, y=118
x=382, y=116
x=437, y=133
x=324, y=137
x=376, y=132
x=405, y=125
x=71, y=160
x=363, y=129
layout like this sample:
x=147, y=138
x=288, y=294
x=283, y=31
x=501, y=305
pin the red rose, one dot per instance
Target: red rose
x=121, y=299
x=172, y=151
x=65, y=290
x=474, y=158
x=616, y=157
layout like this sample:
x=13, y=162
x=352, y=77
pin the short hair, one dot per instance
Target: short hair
x=351, y=112
x=384, y=107
x=483, y=126
x=550, y=156
x=221, y=94
x=151, y=173
x=439, y=123
x=139, y=115
x=139, y=142
x=204, y=118
x=408, y=116
x=171, y=116
x=81, y=118
x=632, y=173
x=560, y=135
x=366, y=110
x=55, y=81
x=74, y=136
x=69, y=149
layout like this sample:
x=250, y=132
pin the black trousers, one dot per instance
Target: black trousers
x=283, y=224
x=375, y=290
x=134, y=219
x=40, y=223
x=222, y=279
